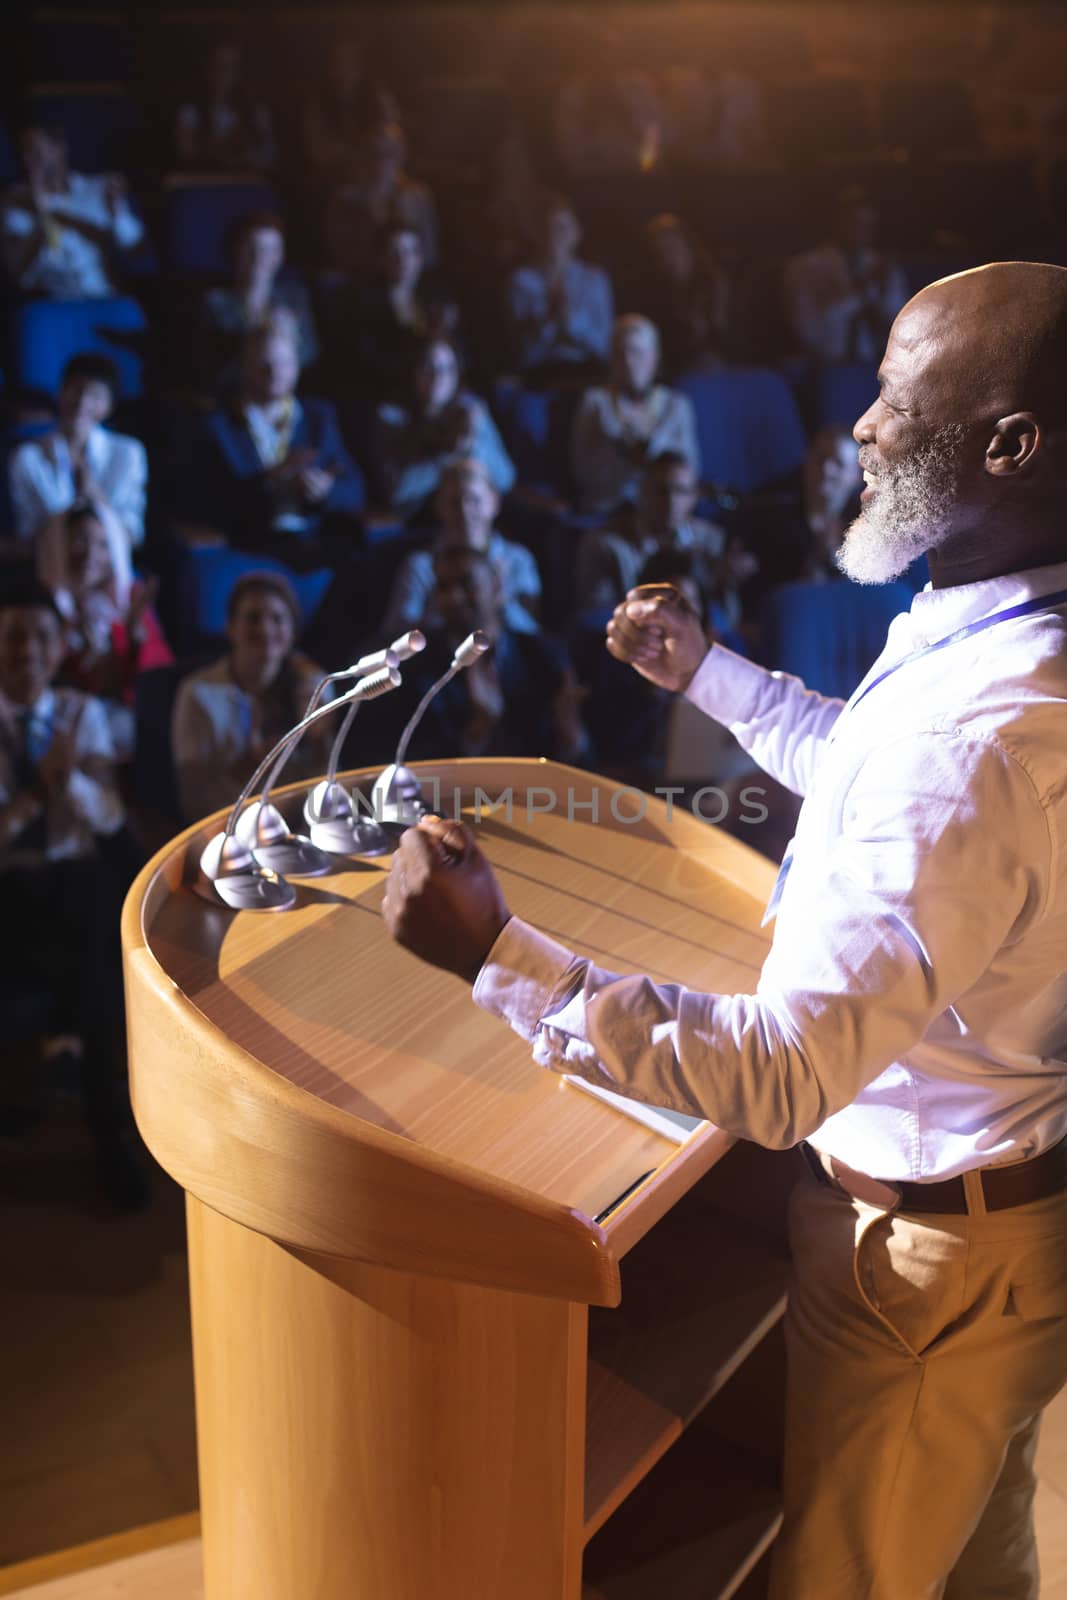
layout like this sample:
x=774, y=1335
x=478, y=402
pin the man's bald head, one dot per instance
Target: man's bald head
x=965, y=450
x=996, y=338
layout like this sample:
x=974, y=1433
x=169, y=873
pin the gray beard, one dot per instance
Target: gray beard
x=910, y=513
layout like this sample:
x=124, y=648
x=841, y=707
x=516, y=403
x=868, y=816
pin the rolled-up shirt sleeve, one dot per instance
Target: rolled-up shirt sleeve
x=782, y=725
x=944, y=856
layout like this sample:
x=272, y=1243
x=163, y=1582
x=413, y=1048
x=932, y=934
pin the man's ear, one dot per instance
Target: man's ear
x=1015, y=443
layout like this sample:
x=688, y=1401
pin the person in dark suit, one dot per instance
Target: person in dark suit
x=273, y=472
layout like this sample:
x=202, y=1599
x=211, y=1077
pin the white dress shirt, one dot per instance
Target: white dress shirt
x=69, y=266
x=42, y=480
x=90, y=804
x=911, y=1015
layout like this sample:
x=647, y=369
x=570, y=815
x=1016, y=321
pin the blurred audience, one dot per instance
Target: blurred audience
x=228, y=715
x=111, y=630
x=841, y=297
x=273, y=469
x=520, y=698
x=719, y=118
x=80, y=459
x=685, y=292
x=338, y=111
x=465, y=507
x=559, y=308
x=376, y=191
x=440, y=422
x=63, y=871
x=396, y=306
x=257, y=298
x=661, y=520
x=64, y=231
x=621, y=426
x=224, y=126
x=609, y=122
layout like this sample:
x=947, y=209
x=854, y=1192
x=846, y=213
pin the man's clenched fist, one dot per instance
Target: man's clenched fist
x=442, y=901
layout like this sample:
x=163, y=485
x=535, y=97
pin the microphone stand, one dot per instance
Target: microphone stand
x=330, y=810
x=230, y=870
x=396, y=798
x=263, y=828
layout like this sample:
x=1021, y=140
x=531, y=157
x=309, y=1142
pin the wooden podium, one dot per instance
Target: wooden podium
x=450, y=1312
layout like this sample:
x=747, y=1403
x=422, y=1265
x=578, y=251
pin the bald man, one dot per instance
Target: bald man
x=910, y=1022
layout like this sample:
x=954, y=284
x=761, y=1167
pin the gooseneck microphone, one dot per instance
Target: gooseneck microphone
x=231, y=868
x=396, y=798
x=330, y=811
x=263, y=828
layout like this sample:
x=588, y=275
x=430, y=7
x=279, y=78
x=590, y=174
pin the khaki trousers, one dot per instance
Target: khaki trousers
x=921, y=1351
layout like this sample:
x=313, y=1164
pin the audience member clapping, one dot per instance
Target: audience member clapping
x=63, y=870
x=63, y=230
x=661, y=519
x=841, y=297
x=519, y=699
x=80, y=459
x=228, y=715
x=621, y=426
x=559, y=308
x=257, y=298
x=685, y=292
x=273, y=468
x=377, y=191
x=224, y=126
x=111, y=630
x=466, y=506
x=396, y=306
x=440, y=422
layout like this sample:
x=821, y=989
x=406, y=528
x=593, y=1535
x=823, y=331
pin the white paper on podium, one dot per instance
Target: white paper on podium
x=672, y=1124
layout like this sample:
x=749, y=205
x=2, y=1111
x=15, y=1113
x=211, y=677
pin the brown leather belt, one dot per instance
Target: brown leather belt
x=1002, y=1187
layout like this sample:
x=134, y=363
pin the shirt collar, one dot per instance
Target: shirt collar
x=937, y=612
x=43, y=708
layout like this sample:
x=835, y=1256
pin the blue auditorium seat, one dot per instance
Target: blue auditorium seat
x=748, y=426
x=535, y=424
x=208, y=574
x=829, y=634
x=48, y=332
x=200, y=212
x=99, y=120
x=844, y=392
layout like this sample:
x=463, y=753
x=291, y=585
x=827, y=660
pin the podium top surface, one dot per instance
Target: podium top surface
x=314, y=1019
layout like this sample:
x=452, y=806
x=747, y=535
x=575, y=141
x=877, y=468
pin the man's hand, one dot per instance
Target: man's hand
x=315, y=484
x=56, y=765
x=442, y=901
x=659, y=635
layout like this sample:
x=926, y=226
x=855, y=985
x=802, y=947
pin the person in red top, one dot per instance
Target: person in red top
x=112, y=631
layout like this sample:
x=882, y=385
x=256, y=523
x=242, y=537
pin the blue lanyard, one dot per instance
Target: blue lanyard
x=1041, y=602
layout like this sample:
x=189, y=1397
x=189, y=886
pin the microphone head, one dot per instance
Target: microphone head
x=377, y=683
x=371, y=663
x=473, y=646
x=408, y=645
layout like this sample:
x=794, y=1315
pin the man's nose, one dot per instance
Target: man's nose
x=864, y=431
